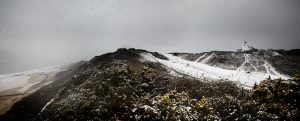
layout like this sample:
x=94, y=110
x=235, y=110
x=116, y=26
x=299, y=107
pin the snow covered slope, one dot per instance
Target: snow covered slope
x=203, y=70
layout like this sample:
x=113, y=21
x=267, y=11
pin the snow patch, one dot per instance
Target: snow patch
x=147, y=107
x=243, y=64
x=47, y=104
x=207, y=58
x=201, y=57
x=148, y=57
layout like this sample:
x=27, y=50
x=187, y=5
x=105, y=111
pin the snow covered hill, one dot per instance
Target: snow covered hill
x=135, y=84
x=251, y=69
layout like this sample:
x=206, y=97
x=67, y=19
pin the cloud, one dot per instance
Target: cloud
x=58, y=29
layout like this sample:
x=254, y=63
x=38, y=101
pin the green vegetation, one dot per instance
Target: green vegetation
x=276, y=99
x=122, y=89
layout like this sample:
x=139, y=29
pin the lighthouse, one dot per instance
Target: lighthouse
x=246, y=47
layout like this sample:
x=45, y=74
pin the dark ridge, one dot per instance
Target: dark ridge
x=130, y=54
x=155, y=54
x=120, y=54
x=179, y=53
x=293, y=52
x=216, y=51
x=30, y=106
x=160, y=56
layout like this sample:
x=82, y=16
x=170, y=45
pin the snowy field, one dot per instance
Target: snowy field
x=201, y=70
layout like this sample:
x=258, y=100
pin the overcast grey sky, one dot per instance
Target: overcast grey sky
x=60, y=31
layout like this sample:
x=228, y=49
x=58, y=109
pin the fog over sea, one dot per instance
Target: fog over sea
x=14, y=63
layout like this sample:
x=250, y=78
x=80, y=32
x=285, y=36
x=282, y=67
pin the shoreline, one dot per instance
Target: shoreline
x=35, y=81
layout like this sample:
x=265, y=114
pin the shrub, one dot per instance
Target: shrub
x=276, y=99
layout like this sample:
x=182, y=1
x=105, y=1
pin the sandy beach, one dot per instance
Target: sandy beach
x=12, y=92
